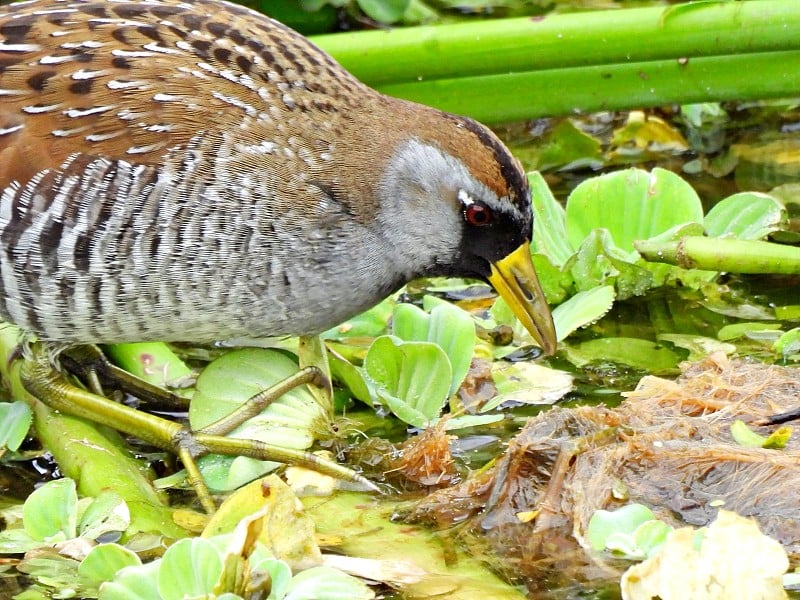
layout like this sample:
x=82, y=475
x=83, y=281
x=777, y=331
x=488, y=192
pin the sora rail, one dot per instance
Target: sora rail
x=195, y=171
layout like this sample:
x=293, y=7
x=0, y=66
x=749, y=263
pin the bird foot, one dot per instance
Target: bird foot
x=49, y=385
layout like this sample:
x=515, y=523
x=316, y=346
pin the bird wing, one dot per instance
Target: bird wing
x=136, y=81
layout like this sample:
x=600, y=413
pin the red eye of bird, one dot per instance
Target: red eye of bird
x=478, y=215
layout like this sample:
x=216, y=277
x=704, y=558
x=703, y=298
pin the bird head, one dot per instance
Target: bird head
x=455, y=197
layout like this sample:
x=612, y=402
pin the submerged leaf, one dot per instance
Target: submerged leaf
x=568, y=147
x=328, y=583
x=634, y=352
x=384, y=11
x=366, y=529
x=528, y=383
x=644, y=134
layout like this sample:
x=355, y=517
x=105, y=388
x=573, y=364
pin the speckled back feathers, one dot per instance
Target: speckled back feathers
x=179, y=170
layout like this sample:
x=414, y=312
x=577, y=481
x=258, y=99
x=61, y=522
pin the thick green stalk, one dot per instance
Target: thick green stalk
x=566, y=40
x=583, y=61
x=94, y=456
x=153, y=362
x=518, y=96
x=722, y=254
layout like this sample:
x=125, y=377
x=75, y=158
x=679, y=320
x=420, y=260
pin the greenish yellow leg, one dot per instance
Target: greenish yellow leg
x=46, y=383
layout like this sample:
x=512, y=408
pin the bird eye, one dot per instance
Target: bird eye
x=478, y=215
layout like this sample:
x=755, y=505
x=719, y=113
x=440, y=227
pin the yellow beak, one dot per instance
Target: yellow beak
x=515, y=279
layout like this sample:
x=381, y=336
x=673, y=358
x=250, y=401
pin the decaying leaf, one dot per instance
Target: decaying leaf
x=734, y=561
x=668, y=446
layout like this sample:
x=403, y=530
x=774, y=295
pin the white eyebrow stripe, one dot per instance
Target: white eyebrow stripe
x=465, y=198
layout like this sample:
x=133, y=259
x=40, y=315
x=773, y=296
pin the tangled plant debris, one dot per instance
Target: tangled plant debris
x=669, y=446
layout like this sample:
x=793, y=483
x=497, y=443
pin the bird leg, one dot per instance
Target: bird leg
x=93, y=367
x=45, y=382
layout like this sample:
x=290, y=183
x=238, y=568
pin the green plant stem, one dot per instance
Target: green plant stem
x=91, y=454
x=511, y=69
x=609, y=87
x=729, y=255
x=566, y=40
x=153, y=362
